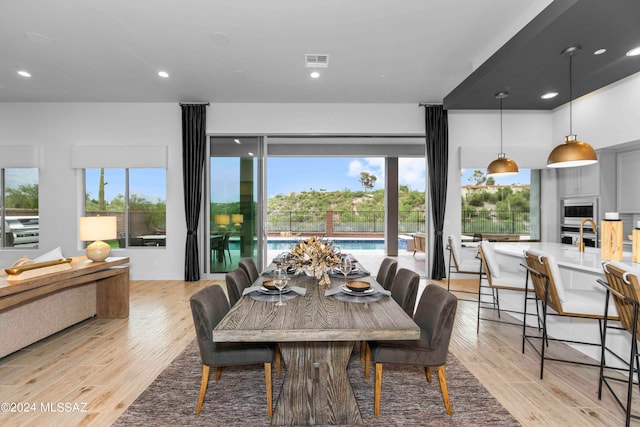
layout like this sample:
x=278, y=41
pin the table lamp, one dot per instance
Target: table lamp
x=97, y=229
x=222, y=220
x=237, y=219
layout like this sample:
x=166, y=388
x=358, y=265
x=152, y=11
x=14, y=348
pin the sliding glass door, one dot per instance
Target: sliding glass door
x=233, y=205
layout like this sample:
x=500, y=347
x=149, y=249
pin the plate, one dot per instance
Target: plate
x=266, y=291
x=358, y=285
x=348, y=291
x=268, y=284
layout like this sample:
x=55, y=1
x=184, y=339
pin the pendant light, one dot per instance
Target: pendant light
x=572, y=152
x=503, y=165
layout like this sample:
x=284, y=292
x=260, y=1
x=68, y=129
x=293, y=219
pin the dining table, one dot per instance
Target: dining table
x=316, y=331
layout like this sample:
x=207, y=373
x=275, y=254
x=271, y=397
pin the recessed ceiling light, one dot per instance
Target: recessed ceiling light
x=163, y=74
x=549, y=95
x=314, y=74
x=24, y=73
x=250, y=153
x=599, y=51
x=634, y=52
x=237, y=141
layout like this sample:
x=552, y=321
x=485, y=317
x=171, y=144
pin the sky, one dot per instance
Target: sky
x=148, y=183
x=285, y=174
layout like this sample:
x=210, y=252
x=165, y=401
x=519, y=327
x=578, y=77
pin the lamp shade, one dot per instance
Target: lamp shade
x=502, y=166
x=222, y=219
x=572, y=153
x=237, y=219
x=96, y=229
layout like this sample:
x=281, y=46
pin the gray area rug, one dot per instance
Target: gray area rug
x=238, y=399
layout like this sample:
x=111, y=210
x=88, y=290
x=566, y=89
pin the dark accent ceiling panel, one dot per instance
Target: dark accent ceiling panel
x=531, y=63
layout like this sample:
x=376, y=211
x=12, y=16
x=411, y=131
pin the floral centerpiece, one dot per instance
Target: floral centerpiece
x=315, y=255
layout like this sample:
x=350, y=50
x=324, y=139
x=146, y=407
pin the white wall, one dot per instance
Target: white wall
x=55, y=127
x=605, y=118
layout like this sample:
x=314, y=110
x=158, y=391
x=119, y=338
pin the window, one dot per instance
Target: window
x=136, y=197
x=19, y=201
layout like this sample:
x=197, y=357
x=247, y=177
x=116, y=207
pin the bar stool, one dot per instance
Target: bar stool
x=496, y=280
x=622, y=286
x=459, y=264
x=559, y=301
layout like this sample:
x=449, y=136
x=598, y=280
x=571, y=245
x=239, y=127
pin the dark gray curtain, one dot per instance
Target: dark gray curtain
x=437, y=138
x=194, y=140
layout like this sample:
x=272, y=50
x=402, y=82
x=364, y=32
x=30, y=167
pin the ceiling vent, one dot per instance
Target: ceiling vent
x=315, y=60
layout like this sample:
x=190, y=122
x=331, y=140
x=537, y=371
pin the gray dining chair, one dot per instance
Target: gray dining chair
x=237, y=281
x=208, y=307
x=387, y=272
x=435, y=315
x=404, y=290
x=249, y=267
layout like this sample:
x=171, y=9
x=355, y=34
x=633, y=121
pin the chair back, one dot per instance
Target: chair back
x=435, y=314
x=250, y=268
x=387, y=272
x=237, y=281
x=454, y=250
x=404, y=289
x=485, y=250
x=208, y=307
x=544, y=281
x=625, y=290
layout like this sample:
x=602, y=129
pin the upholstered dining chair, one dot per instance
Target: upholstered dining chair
x=623, y=287
x=249, y=267
x=435, y=315
x=404, y=290
x=208, y=307
x=460, y=264
x=558, y=300
x=387, y=272
x=237, y=281
x=495, y=279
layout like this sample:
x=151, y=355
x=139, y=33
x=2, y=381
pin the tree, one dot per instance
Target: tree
x=23, y=197
x=367, y=180
x=477, y=178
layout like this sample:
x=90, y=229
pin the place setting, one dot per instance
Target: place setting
x=360, y=291
x=275, y=290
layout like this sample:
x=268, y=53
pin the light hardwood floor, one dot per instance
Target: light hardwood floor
x=106, y=364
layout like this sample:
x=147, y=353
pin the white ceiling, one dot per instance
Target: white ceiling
x=381, y=51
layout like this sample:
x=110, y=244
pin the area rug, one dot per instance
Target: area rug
x=238, y=399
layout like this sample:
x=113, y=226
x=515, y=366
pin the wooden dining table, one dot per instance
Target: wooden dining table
x=316, y=335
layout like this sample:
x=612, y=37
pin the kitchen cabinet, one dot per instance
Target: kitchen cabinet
x=579, y=181
x=628, y=177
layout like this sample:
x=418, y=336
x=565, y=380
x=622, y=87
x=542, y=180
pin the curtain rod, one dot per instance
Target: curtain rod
x=193, y=103
x=429, y=104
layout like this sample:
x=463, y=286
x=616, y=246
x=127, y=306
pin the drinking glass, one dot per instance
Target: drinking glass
x=345, y=267
x=280, y=282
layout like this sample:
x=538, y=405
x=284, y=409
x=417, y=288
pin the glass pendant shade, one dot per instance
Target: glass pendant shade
x=572, y=153
x=503, y=165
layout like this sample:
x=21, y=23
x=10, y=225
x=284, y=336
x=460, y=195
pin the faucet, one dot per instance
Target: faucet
x=593, y=227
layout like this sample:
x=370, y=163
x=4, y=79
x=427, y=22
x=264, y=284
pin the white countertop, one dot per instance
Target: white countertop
x=566, y=256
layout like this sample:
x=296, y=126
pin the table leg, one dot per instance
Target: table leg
x=316, y=388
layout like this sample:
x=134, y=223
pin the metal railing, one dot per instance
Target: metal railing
x=341, y=222
x=495, y=221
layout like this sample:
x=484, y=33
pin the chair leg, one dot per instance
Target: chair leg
x=367, y=360
x=443, y=388
x=203, y=387
x=269, y=387
x=377, y=389
x=362, y=351
x=427, y=373
x=278, y=363
x=218, y=373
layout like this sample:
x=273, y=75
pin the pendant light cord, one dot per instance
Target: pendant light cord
x=570, y=94
x=501, y=150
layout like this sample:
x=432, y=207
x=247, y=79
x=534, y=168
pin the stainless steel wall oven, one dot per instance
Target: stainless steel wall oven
x=573, y=212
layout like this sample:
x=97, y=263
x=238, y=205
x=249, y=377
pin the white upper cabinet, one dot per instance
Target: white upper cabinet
x=579, y=181
x=628, y=178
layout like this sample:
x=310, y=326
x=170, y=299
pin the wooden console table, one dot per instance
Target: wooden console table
x=112, y=292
